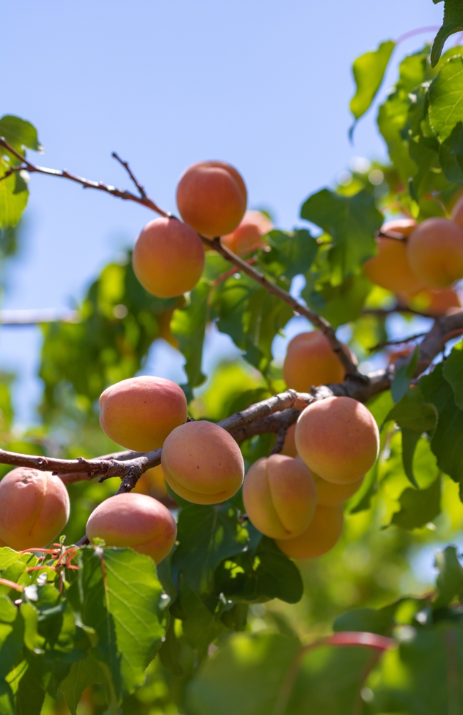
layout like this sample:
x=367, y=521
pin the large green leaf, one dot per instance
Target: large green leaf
x=82, y=674
x=19, y=133
x=453, y=22
x=351, y=221
x=418, y=507
x=449, y=583
x=445, y=98
x=368, y=71
x=290, y=254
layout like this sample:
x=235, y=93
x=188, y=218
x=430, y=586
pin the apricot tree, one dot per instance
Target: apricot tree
x=154, y=579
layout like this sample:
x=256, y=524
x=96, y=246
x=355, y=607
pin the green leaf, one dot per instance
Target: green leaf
x=6, y=700
x=351, y=221
x=418, y=507
x=453, y=373
x=83, y=673
x=206, y=535
x=119, y=596
x=445, y=98
x=189, y=327
x=19, y=133
x=453, y=22
x=12, y=203
x=413, y=413
x=290, y=254
x=451, y=155
x=369, y=620
x=368, y=71
x=31, y=692
x=447, y=441
x=339, y=304
x=199, y=625
x=449, y=582
x=245, y=676
x=401, y=382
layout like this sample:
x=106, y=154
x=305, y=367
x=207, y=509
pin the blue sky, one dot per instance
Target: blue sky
x=264, y=85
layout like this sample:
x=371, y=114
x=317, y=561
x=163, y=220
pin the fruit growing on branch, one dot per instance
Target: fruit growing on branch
x=212, y=198
x=134, y=520
x=390, y=268
x=34, y=508
x=329, y=494
x=322, y=534
x=435, y=252
x=139, y=413
x=249, y=235
x=338, y=439
x=168, y=258
x=202, y=463
x=310, y=361
x=279, y=496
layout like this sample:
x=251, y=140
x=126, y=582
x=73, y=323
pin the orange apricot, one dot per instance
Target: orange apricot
x=249, y=234
x=211, y=198
x=338, y=439
x=134, y=520
x=329, y=494
x=289, y=445
x=34, y=508
x=139, y=413
x=279, y=496
x=435, y=252
x=322, y=534
x=202, y=463
x=310, y=362
x=390, y=267
x=152, y=483
x=434, y=302
x=168, y=258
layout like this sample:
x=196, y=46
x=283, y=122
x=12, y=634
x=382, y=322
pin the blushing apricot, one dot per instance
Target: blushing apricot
x=434, y=302
x=310, y=361
x=249, y=234
x=34, y=508
x=435, y=252
x=202, y=463
x=338, y=439
x=390, y=267
x=139, y=413
x=152, y=483
x=322, y=534
x=329, y=494
x=289, y=445
x=211, y=198
x=134, y=520
x=279, y=496
x=168, y=258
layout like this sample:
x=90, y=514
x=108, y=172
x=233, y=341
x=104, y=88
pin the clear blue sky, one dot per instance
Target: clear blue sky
x=264, y=85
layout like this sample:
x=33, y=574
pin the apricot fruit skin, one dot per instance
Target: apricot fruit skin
x=168, y=258
x=322, y=534
x=249, y=234
x=211, y=198
x=310, y=362
x=139, y=413
x=289, y=445
x=134, y=520
x=202, y=463
x=390, y=267
x=434, y=302
x=435, y=252
x=279, y=496
x=34, y=508
x=152, y=483
x=338, y=439
x=329, y=494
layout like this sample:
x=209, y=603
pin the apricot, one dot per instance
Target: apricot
x=139, y=413
x=279, y=496
x=211, y=198
x=338, y=439
x=289, y=445
x=310, y=361
x=168, y=258
x=202, y=463
x=152, y=483
x=435, y=252
x=249, y=234
x=322, y=534
x=34, y=508
x=434, y=302
x=329, y=494
x=134, y=520
x=390, y=267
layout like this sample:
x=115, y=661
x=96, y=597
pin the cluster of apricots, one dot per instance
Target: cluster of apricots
x=421, y=262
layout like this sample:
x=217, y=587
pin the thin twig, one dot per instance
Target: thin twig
x=402, y=341
x=126, y=166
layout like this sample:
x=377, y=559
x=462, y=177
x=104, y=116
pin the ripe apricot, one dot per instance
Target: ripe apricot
x=134, y=520
x=310, y=361
x=249, y=234
x=434, y=302
x=152, y=483
x=390, y=267
x=322, y=534
x=211, y=198
x=202, y=463
x=289, y=445
x=140, y=412
x=338, y=439
x=279, y=496
x=329, y=494
x=34, y=508
x=435, y=252
x=168, y=258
